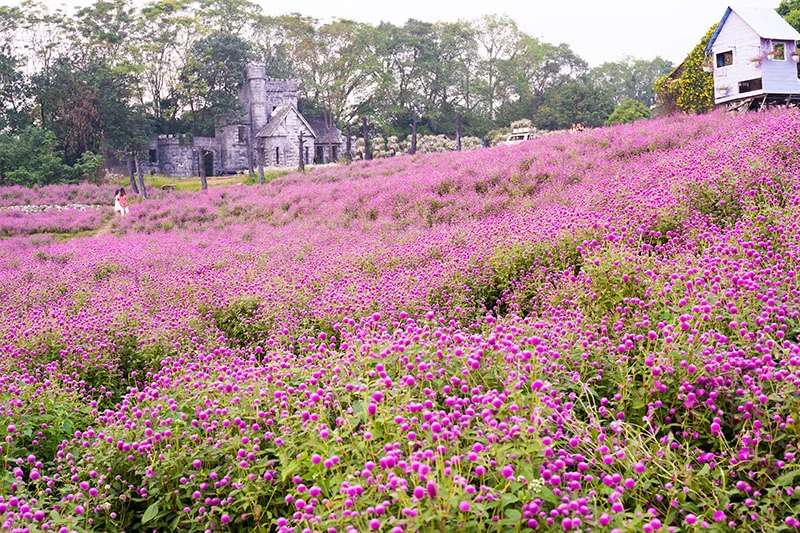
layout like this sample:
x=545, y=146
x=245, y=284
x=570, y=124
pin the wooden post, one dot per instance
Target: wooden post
x=414, y=135
x=458, y=131
x=349, y=154
x=202, y=168
x=365, y=132
x=302, y=166
x=250, y=165
x=140, y=175
x=261, y=179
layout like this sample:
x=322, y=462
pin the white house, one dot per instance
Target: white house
x=753, y=54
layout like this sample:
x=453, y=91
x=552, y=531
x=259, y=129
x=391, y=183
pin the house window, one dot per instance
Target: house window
x=750, y=85
x=153, y=156
x=242, y=137
x=779, y=52
x=277, y=156
x=306, y=155
x=335, y=153
x=725, y=59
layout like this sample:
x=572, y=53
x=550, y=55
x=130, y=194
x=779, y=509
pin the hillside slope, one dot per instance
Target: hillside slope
x=583, y=332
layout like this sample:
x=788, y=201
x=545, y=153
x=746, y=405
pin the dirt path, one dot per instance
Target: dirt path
x=105, y=229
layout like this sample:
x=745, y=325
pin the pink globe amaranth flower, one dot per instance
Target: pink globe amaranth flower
x=464, y=506
x=432, y=489
x=225, y=518
x=719, y=516
x=508, y=471
x=690, y=519
x=374, y=524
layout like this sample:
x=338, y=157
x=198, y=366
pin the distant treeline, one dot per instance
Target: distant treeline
x=113, y=74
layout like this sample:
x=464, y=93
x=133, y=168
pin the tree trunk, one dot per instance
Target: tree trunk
x=140, y=175
x=414, y=135
x=302, y=165
x=365, y=132
x=202, y=169
x=261, y=179
x=349, y=154
x=132, y=173
x=458, y=132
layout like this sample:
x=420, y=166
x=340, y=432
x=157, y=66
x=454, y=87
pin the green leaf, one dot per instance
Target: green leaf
x=513, y=514
x=787, y=478
x=704, y=471
x=150, y=513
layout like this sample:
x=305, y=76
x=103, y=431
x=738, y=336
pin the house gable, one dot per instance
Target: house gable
x=740, y=57
x=286, y=121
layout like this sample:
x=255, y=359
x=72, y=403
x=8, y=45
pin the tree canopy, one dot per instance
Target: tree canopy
x=111, y=74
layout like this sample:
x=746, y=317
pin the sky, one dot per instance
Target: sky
x=597, y=30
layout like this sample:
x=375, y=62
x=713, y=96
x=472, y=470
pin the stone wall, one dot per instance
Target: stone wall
x=232, y=152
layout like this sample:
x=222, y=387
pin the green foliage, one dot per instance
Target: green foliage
x=13, y=93
x=91, y=167
x=31, y=157
x=688, y=88
x=790, y=10
x=212, y=80
x=631, y=79
x=573, y=103
x=628, y=111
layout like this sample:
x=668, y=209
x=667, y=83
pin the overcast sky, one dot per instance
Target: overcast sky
x=598, y=30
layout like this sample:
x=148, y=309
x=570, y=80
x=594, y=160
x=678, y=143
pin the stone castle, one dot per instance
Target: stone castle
x=269, y=129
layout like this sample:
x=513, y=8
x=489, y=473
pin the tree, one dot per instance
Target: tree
x=497, y=39
x=790, y=10
x=232, y=17
x=339, y=62
x=68, y=103
x=540, y=68
x=628, y=111
x=688, y=88
x=100, y=33
x=274, y=42
x=165, y=33
x=31, y=157
x=13, y=94
x=631, y=79
x=573, y=103
x=212, y=78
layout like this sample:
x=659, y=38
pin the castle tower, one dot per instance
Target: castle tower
x=255, y=95
x=280, y=93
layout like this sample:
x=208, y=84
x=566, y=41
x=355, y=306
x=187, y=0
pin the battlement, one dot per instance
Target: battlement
x=281, y=85
x=255, y=71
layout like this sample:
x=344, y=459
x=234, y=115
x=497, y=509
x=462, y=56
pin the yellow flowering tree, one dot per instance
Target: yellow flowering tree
x=688, y=88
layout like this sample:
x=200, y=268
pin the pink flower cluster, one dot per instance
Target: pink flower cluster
x=595, y=331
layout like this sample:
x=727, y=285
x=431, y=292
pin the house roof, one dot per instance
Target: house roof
x=318, y=125
x=270, y=129
x=767, y=23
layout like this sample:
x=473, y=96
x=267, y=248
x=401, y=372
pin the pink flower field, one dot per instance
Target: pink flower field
x=586, y=332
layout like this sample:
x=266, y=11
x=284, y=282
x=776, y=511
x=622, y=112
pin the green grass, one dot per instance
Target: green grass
x=157, y=181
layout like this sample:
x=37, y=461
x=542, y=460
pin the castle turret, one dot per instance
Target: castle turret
x=256, y=95
x=280, y=93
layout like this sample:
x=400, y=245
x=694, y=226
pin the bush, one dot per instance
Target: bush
x=628, y=111
x=31, y=157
